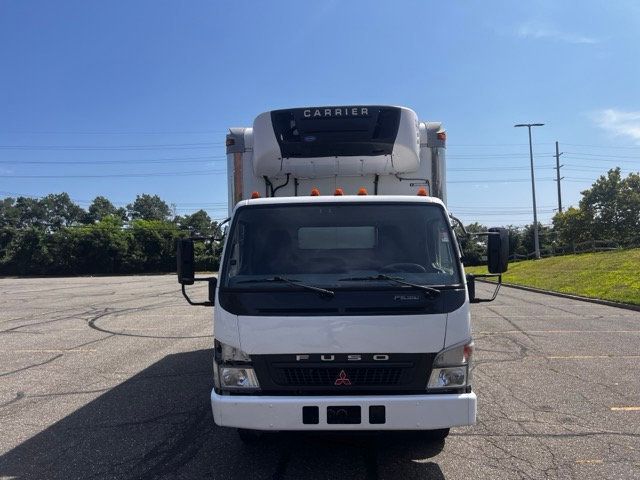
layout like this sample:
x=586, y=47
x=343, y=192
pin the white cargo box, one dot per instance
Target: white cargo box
x=382, y=148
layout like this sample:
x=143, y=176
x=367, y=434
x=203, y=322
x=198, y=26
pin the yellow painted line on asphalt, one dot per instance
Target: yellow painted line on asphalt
x=625, y=409
x=71, y=350
x=588, y=357
x=590, y=461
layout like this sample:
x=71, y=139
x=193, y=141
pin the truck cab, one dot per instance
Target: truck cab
x=341, y=301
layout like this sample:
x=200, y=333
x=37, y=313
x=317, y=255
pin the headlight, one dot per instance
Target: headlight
x=233, y=378
x=451, y=377
x=452, y=367
x=232, y=369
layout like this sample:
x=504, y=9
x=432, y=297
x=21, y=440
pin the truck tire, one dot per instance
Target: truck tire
x=249, y=437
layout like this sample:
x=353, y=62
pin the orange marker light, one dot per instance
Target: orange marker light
x=467, y=352
x=362, y=191
x=422, y=192
x=255, y=195
x=315, y=192
x=442, y=135
x=338, y=192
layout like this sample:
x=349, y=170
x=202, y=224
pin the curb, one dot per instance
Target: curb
x=608, y=303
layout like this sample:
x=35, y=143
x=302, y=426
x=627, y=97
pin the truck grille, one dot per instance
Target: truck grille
x=341, y=374
x=327, y=376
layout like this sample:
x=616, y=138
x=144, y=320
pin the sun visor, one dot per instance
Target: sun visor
x=323, y=141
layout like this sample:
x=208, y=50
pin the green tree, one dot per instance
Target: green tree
x=28, y=253
x=31, y=212
x=612, y=206
x=101, y=208
x=149, y=207
x=199, y=224
x=53, y=211
x=60, y=211
x=152, y=246
x=545, y=238
x=9, y=213
x=97, y=248
x=572, y=226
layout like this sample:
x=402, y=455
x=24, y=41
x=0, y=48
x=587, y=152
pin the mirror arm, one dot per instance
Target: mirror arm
x=495, y=292
x=460, y=224
x=191, y=302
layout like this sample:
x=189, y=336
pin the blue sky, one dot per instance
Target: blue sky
x=114, y=98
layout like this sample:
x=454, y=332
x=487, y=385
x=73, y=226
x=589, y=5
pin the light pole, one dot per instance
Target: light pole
x=536, y=241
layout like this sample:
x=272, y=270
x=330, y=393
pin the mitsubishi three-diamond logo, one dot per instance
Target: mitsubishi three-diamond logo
x=342, y=379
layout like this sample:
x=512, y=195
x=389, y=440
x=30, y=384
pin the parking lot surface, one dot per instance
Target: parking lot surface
x=109, y=377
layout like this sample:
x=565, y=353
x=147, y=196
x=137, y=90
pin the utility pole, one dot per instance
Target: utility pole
x=536, y=239
x=558, y=178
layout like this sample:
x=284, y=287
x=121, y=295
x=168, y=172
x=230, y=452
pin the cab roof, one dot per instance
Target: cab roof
x=340, y=199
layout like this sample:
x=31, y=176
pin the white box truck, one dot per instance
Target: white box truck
x=341, y=301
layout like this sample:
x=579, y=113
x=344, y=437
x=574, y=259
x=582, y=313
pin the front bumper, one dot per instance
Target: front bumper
x=403, y=412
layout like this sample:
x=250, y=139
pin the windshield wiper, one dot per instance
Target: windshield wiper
x=401, y=281
x=296, y=283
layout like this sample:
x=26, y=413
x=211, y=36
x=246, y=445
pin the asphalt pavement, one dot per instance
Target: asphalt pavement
x=109, y=377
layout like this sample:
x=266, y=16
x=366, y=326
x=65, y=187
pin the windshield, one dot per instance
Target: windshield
x=340, y=244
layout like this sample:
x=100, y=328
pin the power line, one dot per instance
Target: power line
x=579, y=179
x=482, y=145
x=586, y=169
x=67, y=132
x=180, y=206
x=493, y=155
x=484, y=169
x=505, y=180
x=496, y=144
x=155, y=174
x=501, y=208
x=606, y=155
x=503, y=214
x=599, y=160
x=199, y=159
x=602, y=146
x=168, y=146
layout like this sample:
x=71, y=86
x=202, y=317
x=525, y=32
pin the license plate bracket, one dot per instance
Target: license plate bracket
x=344, y=415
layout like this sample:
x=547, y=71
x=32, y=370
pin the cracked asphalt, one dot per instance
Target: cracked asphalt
x=109, y=377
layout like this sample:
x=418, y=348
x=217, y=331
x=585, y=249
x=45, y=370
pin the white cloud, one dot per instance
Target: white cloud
x=626, y=124
x=545, y=32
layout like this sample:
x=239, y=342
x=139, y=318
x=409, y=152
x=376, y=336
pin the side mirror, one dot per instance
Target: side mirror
x=498, y=250
x=187, y=272
x=186, y=262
